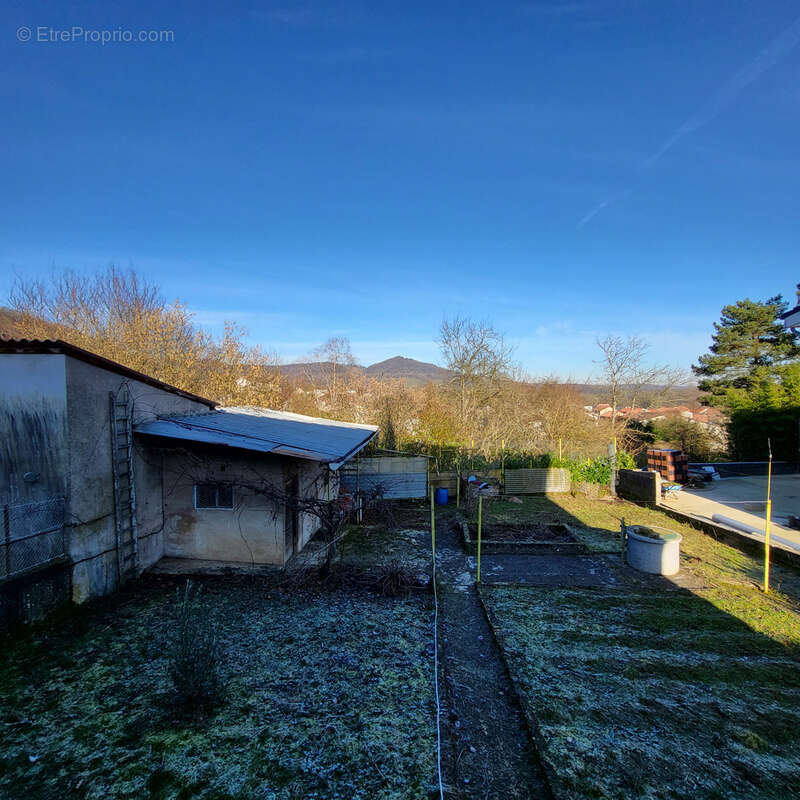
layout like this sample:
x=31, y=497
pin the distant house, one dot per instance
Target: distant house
x=791, y=318
x=104, y=470
x=603, y=410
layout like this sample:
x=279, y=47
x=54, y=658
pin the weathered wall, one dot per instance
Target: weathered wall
x=251, y=532
x=33, y=427
x=639, y=486
x=258, y=529
x=90, y=491
x=313, y=483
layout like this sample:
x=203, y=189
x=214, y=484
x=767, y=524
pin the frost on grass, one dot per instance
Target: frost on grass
x=669, y=695
x=328, y=695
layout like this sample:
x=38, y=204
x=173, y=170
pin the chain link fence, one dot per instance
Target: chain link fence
x=32, y=535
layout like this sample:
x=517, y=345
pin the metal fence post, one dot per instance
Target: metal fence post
x=768, y=518
x=7, y=536
x=612, y=457
x=433, y=537
x=480, y=523
x=503, y=464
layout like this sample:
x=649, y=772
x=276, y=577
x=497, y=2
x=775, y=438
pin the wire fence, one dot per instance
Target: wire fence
x=32, y=535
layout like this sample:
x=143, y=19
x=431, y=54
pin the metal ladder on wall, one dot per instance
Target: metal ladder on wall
x=124, y=491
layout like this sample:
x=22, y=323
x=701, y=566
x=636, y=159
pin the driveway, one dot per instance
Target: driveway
x=743, y=499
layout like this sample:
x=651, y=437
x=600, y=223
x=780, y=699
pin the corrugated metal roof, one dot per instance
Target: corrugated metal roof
x=267, y=431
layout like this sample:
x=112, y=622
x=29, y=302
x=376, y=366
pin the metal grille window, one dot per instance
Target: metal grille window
x=213, y=495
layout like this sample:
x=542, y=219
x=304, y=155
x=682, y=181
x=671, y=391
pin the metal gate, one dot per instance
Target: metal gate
x=536, y=481
x=400, y=477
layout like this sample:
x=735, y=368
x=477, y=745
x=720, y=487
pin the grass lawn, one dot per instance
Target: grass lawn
x=329, y=695
x=597, y=522
x=661, y=694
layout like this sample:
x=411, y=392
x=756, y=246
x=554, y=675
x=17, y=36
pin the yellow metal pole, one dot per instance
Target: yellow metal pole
x=480, y=521
x=766, y=524
x=559, y=448
x=433, y=530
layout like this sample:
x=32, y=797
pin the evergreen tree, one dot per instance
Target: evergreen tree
x=389, y=436
x=749, y=355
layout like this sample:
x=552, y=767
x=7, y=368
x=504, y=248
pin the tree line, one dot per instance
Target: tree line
x=487, y=405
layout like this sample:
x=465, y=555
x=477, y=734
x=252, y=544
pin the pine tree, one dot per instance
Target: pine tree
x=389, y=436
x=750, y=351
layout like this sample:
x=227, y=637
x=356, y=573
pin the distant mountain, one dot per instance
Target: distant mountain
x=416, y=373
x=305, y=370
x=676, y=395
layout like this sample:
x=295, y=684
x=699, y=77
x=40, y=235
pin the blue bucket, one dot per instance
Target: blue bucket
x=442, y=496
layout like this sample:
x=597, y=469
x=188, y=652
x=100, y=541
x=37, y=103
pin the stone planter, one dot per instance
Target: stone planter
x=656, y=552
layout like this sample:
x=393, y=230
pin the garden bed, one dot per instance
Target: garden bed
x=530, y=538
x=329, y=695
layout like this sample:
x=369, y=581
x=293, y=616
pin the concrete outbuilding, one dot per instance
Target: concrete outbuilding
x=105, y=470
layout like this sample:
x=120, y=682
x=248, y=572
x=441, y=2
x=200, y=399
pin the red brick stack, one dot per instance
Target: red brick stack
x=672, y=465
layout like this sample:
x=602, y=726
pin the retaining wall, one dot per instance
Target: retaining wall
x=639, y=486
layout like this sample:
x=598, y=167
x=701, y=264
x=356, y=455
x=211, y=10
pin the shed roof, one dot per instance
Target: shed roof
x=60, y=347
x=266, y=431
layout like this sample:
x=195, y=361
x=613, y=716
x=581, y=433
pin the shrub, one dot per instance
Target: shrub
x=594, y=470
x=395, y=580
x=194, y=653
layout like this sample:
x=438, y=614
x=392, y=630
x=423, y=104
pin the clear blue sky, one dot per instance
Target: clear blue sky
x=361, y=169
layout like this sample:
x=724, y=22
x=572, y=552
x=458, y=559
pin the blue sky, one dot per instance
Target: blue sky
x=565, y=169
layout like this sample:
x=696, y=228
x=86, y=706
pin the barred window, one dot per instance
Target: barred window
x=213, y=495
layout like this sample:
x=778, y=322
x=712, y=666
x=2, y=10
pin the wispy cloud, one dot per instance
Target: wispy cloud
x=777, y=50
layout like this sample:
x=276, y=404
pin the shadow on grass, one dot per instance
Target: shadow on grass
x=655, y=694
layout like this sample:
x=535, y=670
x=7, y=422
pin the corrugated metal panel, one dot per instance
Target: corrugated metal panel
x=267, y=431
x=395, y=485
x=400, y=477
x=536, y=481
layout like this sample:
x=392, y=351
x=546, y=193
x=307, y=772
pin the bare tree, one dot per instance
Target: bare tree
x=480, y=360
x=329, y=370
x=626, y=371
x=123, y=316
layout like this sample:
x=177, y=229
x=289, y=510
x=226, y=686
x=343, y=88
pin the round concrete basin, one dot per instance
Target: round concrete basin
x=657, y=551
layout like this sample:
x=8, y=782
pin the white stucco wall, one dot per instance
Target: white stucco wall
x=257, y=530
x=252, y=532
x=90, y=491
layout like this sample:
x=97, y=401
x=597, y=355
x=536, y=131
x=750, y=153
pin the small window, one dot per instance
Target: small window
x=213, y=495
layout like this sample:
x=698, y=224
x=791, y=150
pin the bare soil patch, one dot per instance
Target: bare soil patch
x=525, y=533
